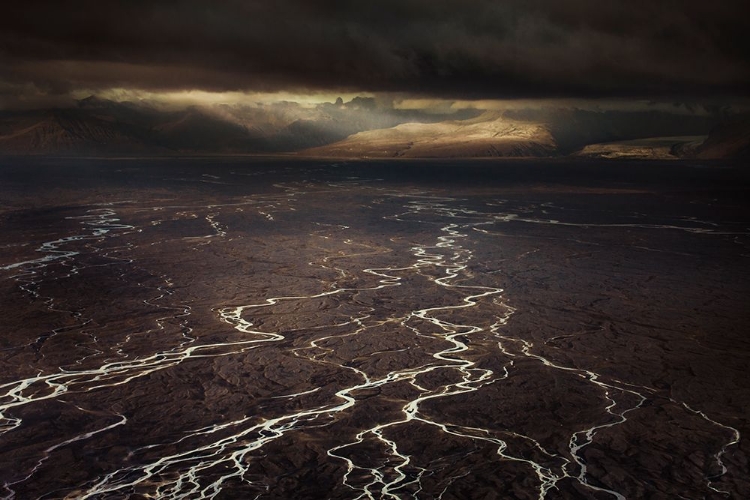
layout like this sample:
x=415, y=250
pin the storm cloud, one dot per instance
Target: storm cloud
x=445, y=48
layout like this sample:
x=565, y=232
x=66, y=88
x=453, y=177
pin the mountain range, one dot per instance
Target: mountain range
x=363, y=127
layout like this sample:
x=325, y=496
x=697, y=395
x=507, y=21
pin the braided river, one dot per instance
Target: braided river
x=280, y=328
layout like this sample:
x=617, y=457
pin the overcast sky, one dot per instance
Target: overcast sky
x=452, y=49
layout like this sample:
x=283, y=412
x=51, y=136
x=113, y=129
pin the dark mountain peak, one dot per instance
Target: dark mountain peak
x=729, y=139
x=94, y=101
x=359, y=102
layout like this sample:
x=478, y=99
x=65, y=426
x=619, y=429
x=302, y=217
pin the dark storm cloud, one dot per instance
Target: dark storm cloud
x=452, y=48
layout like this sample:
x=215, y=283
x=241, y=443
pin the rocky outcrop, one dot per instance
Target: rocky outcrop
x=652, y=148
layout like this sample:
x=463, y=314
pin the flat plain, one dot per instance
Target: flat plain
x=283, y=328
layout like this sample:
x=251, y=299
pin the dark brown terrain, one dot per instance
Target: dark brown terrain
x=249, y=328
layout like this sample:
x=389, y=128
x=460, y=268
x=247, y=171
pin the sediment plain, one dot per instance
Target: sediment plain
x=287, y=328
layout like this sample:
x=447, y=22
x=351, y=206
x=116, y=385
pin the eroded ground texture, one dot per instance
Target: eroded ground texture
x=246, y=328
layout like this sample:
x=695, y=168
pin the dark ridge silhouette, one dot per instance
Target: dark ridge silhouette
x=729, y=139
